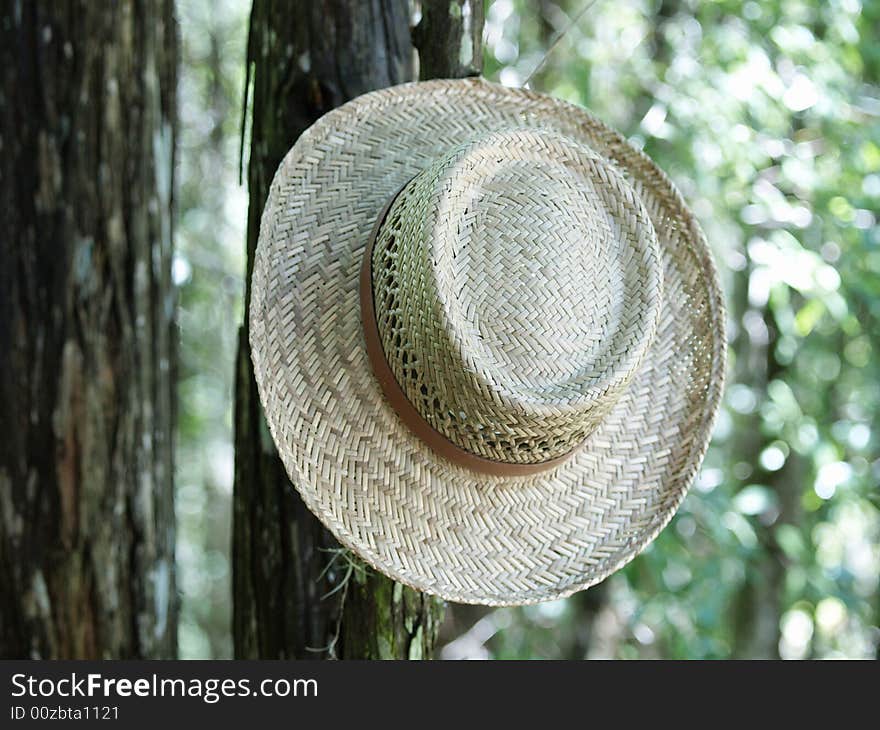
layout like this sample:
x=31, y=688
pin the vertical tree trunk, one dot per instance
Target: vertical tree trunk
x=296, y=593
x=449, y=39
x=87, y=113
x=760, y=602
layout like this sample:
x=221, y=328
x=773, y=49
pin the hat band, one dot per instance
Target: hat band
x=398, y=400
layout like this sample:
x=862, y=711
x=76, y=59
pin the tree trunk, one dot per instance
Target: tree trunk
x=87, y=114
x=449, y=39
x=759, y=604
x=297, y=594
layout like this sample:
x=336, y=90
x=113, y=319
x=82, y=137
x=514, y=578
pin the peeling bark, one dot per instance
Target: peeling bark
x=87, y=109
x=296, y=593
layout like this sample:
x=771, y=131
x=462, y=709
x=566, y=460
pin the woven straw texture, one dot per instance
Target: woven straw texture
x=540, y=288
x=518, y=286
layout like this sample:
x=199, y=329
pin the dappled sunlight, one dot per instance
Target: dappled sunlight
x=766, y=115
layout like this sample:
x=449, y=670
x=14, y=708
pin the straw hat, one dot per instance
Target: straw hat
x=488, y=336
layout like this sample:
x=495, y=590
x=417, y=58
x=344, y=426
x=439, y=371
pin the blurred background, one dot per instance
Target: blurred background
x=767, y=117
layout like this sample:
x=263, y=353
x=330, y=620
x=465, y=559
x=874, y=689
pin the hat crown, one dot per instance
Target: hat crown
x=517, y=287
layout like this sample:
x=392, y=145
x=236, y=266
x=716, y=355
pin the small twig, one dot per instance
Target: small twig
x=353, y=566
x=342, y=584
x=558, y=39
x=331, y=647
x=336, y=553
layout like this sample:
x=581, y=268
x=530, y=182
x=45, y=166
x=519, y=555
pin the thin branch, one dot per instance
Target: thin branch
x=558, y=39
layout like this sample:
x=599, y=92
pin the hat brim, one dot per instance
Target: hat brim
x=414, y=516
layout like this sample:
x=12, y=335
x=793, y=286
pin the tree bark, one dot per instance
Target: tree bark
x=759, y=604
x=449, y=39
x=87, y=114
x=296, y=593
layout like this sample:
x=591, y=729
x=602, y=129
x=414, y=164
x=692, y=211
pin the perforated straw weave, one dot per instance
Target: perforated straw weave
x=544, y=300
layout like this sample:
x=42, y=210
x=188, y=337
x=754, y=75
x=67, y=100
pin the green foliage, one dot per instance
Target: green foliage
x=767, y=116
x=208, y=268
